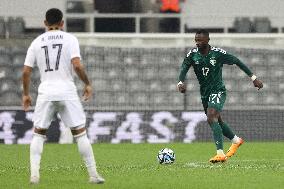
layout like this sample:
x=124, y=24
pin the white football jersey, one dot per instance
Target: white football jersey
x=52, y=52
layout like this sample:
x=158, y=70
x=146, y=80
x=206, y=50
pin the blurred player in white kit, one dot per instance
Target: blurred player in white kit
x=57, y=55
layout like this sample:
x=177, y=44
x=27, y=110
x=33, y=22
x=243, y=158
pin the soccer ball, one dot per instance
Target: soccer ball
x=166, y=156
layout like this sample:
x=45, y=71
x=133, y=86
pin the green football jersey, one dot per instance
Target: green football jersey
x=208, y=69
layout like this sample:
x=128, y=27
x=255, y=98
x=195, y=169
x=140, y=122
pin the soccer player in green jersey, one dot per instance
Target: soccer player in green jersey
x=207, y=62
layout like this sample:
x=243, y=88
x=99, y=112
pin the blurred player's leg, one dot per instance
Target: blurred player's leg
x=227, y=132
x=36, y=148
x=217, y=135
x=43, y=115
x=65, y=134
x=218, y=138
x=86, y=152
x=78, y=129
x=213, y=115
x=236, y=143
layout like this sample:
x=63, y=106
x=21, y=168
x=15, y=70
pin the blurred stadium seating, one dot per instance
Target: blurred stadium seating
x=145, y=78
x=15, y=26
x=262, y=25
x=143, y=16
x=137, y=71
x=2, y=28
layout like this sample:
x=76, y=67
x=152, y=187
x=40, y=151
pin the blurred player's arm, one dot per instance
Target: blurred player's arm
x=182, y=75
x=230, y=59
x=26, y=77
x=80, y=71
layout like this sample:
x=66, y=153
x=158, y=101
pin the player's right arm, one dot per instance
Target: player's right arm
x=182, y=75
x=80, y=71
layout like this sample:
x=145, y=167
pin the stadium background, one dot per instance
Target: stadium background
x=134, y=69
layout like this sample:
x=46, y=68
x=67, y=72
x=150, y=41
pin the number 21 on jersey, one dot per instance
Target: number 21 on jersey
x=54, y=46
x=205, y=71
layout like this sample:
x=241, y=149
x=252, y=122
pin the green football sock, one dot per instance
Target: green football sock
x=217, y=135
x=227, y=131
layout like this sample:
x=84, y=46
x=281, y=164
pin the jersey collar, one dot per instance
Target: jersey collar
x=209, y=52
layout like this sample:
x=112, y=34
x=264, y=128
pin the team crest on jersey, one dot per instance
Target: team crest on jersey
x=212, y=61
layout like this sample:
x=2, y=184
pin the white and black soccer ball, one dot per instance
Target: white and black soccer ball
x=166, y=156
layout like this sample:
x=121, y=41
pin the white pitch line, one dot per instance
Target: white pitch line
x=209, y=165
x=256, y=160
x=242, y=160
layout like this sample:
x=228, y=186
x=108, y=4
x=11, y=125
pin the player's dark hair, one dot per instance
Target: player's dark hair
x=203, y=31
x=53, y=16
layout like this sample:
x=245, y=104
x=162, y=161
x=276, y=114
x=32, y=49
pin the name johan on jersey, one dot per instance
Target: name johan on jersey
x=52, y=52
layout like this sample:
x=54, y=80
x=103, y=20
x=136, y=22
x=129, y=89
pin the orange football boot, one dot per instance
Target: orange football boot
x=218, y=158
x=234, y=147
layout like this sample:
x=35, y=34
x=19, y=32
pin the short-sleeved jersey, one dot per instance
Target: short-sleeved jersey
x=52, y=51
x=208, y=69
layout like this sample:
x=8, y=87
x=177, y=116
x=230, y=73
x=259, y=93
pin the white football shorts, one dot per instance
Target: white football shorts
x=71, y=113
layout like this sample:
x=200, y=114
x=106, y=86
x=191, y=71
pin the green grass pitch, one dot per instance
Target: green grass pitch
x=256, y=165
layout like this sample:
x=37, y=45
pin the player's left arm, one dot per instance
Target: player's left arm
x=230, y=59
